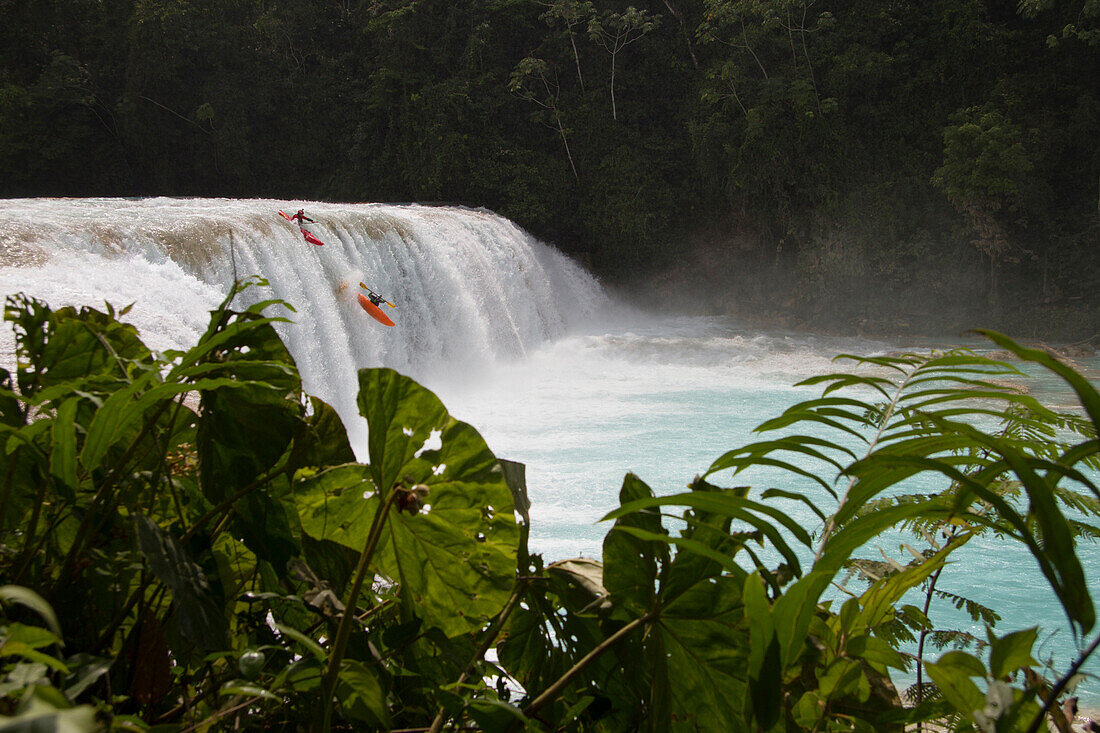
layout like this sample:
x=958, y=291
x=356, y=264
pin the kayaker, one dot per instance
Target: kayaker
x=301, y=217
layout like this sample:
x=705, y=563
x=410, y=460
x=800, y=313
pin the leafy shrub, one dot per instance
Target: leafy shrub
x=187, y=541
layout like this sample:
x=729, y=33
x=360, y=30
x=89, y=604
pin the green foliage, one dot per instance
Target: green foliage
x=984, y=169
x=797, y=121
x=984, y=158
x=198, y=550
x=187, y=541
x=614, y=31
x=816, y=668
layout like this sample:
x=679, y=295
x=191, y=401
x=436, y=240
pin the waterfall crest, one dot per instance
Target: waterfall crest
x=471, y=288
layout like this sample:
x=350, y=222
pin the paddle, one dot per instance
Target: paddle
x=364, y=286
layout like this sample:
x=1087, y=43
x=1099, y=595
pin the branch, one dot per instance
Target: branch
x=552, y=691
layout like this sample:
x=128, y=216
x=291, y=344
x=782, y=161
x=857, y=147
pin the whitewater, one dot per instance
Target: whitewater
x=471, y=287
x=515, y=338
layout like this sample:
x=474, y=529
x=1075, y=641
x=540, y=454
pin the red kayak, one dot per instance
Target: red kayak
x=308, y=235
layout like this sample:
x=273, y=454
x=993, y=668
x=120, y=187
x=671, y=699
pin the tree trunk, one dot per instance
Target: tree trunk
x=614, y=115
x=576, y=58
x=561, y=131
x=683, y=29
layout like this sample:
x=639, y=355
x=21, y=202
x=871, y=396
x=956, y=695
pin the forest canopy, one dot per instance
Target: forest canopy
x=802, y=154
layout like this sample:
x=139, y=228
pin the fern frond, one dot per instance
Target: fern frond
x=1083, y=503
x=1090, y=398
x=976, y=611
x=902, y=363
x=955, y=639
x=843, y=381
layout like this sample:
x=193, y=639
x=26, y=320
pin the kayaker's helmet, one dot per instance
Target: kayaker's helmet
x=301, y=211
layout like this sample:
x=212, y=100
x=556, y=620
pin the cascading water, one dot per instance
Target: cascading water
x=470, y=287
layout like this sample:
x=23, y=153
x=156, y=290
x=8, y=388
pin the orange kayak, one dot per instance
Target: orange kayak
x=374, y=311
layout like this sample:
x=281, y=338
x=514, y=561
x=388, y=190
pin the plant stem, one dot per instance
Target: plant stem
x=343, y=632
x=1058, y=688
x=228, y=503
x=490, y=638
x=553, y=690
x=923, y=636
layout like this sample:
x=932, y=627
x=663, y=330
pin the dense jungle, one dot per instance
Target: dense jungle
x=873, y=166
x=191, y=540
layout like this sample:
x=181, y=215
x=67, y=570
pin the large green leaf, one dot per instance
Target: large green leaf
x=73, y=351
x=454, y=557
x=515, y=475
x=59, y=346
x=337, y=504
x=240, y=336
x=243, y=432
x=401, y=416
x=31, y=599
x=710, y=550
x=456, y=562
x=952, y=675
x=726, y=504
x=528, y=651
x=361, y=694
x=113, y=422
x=322, y=439
x=247, y=426
x=697, y=649
x=542, y=643
x=24, y=466
x=704, y=651
x=765, y=671
x=44, y=709
x=63, y=453
x=267, y=523
x=631, y=562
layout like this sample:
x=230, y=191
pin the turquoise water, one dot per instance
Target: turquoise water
x=664, y=399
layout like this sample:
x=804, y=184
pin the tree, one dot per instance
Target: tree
x=984, y=163
x=615, y=31
x=1082, y=18
x=571, y=14
x=534, y=80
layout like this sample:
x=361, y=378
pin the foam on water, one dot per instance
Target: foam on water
x=471, y=288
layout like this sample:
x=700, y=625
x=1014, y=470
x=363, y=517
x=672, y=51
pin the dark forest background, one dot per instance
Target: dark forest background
x=870, y=165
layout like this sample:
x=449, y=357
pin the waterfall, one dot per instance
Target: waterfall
x=471, y=288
